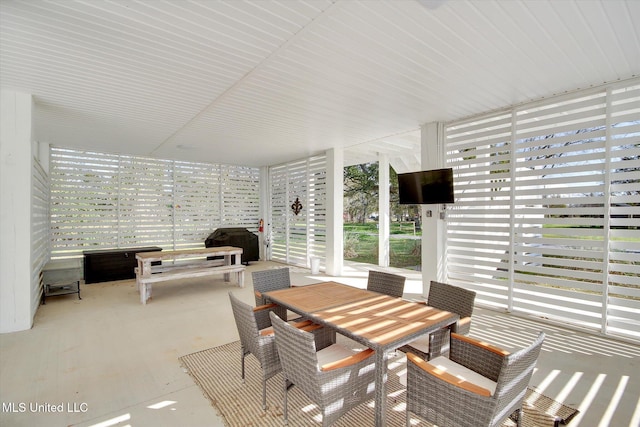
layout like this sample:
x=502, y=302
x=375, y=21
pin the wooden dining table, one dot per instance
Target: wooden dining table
x=380, y=322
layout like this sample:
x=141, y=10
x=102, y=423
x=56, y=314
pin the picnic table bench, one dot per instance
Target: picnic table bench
x=197, y=265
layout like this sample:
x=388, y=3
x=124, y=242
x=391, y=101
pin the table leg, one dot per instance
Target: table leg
x=241, y=279
x=138, y=275
x=381, y=392
x=227, y=261
x=238, y=261
x=144, y=270
x=143, y=293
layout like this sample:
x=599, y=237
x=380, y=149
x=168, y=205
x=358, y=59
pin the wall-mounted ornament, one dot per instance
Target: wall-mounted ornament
x=296, y=206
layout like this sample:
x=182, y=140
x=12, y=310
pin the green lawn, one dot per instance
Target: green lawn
x=361, y=244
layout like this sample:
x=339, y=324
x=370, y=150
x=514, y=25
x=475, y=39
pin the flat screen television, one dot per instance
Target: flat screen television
x=426, y=187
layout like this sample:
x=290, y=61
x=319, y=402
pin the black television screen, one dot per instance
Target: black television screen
x=426, y=187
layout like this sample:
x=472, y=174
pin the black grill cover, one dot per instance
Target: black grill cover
x=238, y=237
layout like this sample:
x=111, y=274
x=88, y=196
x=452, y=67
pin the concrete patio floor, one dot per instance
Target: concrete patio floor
x=107, y=360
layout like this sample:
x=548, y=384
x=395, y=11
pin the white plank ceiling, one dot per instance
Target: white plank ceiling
x=265, y=82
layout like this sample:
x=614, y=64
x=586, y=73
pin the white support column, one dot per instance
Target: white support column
x=433, y=228
x=265, y=208
x=335, y=190
x=383, y=210
x=15, y=212
x=44, y=156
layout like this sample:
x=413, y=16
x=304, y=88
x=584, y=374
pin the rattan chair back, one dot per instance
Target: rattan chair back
x=456, y=300
x=335, y=391
x=262, y=347
x=386, y=283
x=270, y=280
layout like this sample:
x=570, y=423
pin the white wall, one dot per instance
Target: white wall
x=433, y=228
x=384, y=222
x=15, y=212
x=265, y=207
x=335, y=209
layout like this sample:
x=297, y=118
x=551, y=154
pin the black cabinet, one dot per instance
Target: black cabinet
x=112, y=264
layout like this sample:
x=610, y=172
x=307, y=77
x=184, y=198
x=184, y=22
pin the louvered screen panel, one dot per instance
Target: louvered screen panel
x=196, y=203
x=84, y=201
x=624, y=244
x=317, y=211
x=294, y=238
x=102, y=201
x=559, y=209
x=240, y=188
x=278, y=213
x=548, y=208
x=297, y=189
x=40, y=230
x=146, y=202
x=479, y=221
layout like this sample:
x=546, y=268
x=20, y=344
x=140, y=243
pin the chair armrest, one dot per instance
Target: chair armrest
x=462, y=327
x=302, y=324
x=480, y=344
x=258, y=294
x=311, y=327
x=446, y=377
x=347, y=361
x=268, y=332
x=264, y=307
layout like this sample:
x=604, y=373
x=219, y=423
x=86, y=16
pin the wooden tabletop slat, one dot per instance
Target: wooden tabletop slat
x=320, y=296
x=163, y=255
x=378, y=318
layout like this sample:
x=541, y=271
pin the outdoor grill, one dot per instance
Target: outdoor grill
x=238, y=237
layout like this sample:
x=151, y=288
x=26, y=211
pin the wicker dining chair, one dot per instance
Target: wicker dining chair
x=335, y=378
x=257, y=338
x=450, y=298
x=386, y=283
x=270, y=280
x=479, y=385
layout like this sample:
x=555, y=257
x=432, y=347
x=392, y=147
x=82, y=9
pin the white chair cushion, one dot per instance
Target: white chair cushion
x=421, y=344
x=332, y=353
x=445, y=364
x=464, y=373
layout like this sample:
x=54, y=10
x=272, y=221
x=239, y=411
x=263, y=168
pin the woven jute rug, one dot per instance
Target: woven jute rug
x=217, y=372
